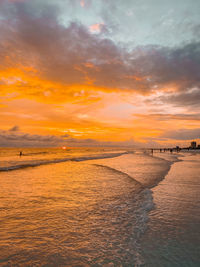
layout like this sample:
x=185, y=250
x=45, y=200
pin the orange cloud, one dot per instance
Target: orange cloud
x=82, y=3
x=96, y=28
x=136, y=78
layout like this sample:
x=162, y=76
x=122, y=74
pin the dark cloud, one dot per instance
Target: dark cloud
x=59, y=53
x=14, y=128
x=169, y=117
x=72, y=55
x=10, y=138
x=65, y=135
x=183, y=134
x=93, y=143
x=188, y=99
x=196, y=31
x=178, y=66
x=32, y=35
x=14, y=137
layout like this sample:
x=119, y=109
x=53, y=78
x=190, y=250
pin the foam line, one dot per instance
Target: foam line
x=39, y=163
x=120, y=172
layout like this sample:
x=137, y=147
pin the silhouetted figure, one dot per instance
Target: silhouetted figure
x=20, y=153
x=171, y=150
x=160, y=150
x=152, y=151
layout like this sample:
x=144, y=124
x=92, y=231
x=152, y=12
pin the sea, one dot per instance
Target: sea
x=99, y=207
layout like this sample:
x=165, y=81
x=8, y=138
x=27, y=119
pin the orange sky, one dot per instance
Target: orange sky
x=79, y=86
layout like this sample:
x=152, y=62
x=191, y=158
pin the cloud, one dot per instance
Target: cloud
x=169, y=117
x=96, y=28
x=14, y=129
x=65, y=135
x=183, y=134
x=190, y=98
x=10, y=138
x=82, y=3
x=61, y=63
x=14, y=137
x=35, y=38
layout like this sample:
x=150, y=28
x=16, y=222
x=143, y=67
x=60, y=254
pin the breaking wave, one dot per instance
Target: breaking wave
x=35, y=163
x=143, y=199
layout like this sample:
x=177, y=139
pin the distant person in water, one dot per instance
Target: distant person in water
x=152, y=151
x=20, y=153
x=171, y=150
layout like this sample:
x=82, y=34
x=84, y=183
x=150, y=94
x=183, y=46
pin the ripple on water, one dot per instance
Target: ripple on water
x=75, y=213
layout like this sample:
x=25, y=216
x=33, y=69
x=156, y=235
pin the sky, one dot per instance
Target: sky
x=99, y=72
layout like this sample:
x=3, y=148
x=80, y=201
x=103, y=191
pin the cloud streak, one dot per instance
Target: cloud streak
x=183, y=134
x=16, y=138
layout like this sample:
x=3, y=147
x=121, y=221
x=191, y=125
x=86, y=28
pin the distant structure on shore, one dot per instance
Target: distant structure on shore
x=193, y=144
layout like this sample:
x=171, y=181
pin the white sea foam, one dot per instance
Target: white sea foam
x=35, y=162
x=145, y=171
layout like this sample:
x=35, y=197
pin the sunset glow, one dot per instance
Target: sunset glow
x=81, y=82
x=99, y=133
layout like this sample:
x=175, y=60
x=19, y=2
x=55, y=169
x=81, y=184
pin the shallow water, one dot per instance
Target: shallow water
x=173, y=234
x=10, y=158
x=98, y=212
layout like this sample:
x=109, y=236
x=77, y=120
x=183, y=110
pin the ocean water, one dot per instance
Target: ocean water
x=173, y=234
x=10, y=158
x=99, y=207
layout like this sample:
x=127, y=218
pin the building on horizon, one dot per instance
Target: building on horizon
x=193, y=144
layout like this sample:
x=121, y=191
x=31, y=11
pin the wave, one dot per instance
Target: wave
x=142, y=204
x=145, y=170
x=45, y=162
x=36, y=153
x=143, y=199
x=119, y=172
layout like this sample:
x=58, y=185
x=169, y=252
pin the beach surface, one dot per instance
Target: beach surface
x=98, y=207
